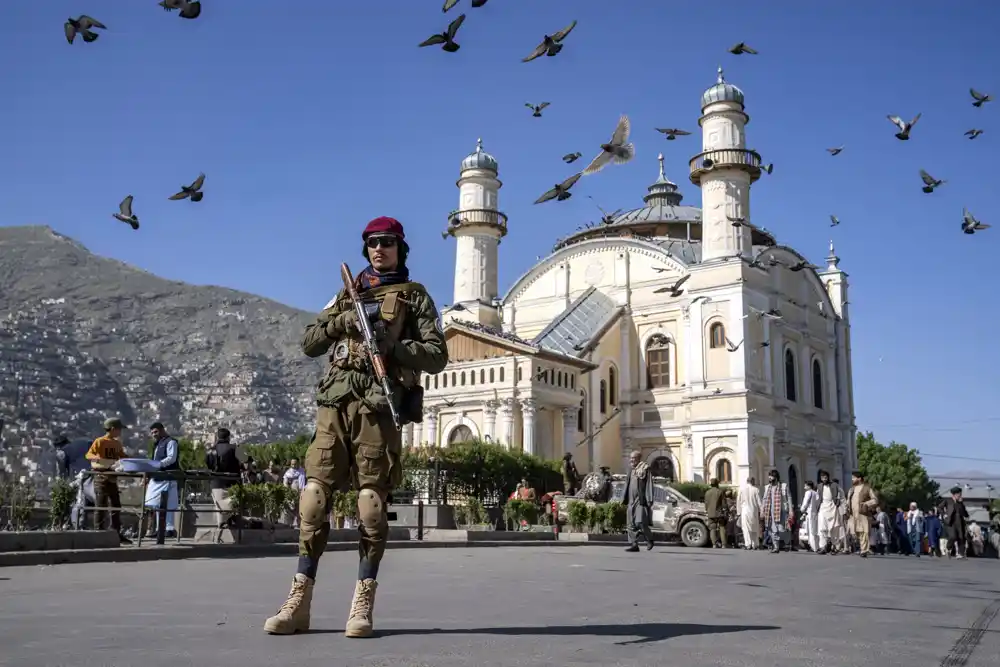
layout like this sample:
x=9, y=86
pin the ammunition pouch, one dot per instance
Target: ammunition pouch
x=411, y=404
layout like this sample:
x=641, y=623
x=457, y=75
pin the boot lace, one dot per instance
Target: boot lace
x=294, y=597
x=362, y=605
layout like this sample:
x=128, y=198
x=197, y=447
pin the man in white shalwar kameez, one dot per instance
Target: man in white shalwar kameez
x=748, y=506
x=810, y=513
x=830, y=525
x=166, y=457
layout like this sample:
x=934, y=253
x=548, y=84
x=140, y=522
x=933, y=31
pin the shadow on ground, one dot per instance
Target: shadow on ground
x=873, y=608
x=646, y=632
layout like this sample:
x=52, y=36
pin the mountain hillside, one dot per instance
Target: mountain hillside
x=83, y=337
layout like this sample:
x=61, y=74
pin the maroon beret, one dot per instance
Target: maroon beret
x=383, y=225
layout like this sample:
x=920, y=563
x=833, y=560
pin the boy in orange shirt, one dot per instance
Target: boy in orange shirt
x=103, y=454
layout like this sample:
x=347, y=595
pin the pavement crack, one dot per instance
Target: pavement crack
x=965, y=645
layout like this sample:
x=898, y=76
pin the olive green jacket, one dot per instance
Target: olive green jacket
x=413, y=344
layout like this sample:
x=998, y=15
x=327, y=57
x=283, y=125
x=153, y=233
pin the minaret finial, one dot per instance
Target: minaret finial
x=832, y=261
x=660, y=158
x=721, y=79
x=479, y=145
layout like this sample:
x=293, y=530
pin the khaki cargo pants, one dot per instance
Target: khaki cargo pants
x=357, y=447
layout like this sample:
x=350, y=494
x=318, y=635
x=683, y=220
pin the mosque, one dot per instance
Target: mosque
x=599, y=349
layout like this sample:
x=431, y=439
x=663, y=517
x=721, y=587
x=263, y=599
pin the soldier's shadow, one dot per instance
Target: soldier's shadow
x=646, y=632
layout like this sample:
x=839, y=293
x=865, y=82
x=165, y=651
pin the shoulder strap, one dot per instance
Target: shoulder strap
x=410, y=287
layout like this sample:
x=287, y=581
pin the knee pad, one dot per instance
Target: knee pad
x=314, y=504
x=371, y=509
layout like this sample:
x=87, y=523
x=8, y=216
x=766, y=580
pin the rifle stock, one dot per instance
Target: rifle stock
x=371, y=344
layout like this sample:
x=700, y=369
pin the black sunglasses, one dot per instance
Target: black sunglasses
x=383, y=241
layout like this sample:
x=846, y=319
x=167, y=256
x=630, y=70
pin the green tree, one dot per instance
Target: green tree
x=896, y=472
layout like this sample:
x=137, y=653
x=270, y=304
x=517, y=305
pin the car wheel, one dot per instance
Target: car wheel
x=694, y=534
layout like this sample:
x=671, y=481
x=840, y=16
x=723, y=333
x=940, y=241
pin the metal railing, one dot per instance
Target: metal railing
x=705, y=162
x=181, y=477
x=478, y=216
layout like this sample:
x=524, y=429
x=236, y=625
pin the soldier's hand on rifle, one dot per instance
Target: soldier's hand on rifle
x=341, y=324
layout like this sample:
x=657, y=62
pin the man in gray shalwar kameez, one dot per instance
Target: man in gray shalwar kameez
x=638, y=500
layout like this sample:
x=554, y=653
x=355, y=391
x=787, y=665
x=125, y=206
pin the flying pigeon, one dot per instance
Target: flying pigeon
x=551, y=44
x=732, y=347
x=83, y=26
x=969, y=223
x=742, y=48
x=767, y=168
x=973, y=133
x=615, y=150
x=834, y=221
x=737, y=222
x=980, y=98
x=561, y=191
x=606, y=218
x=675, y=289
x=672, y=133
x=447, y=38
x=904, y=127
x=929, y=182
x=536, y=109
x=192, y=190
x=800, y=265
x=570, y=158
x=448, y=4
x=189, y=10
x=835, y=151
x=125, y=213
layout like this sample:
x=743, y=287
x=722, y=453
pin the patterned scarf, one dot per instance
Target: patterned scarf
x=774, y=501
x=370, y=278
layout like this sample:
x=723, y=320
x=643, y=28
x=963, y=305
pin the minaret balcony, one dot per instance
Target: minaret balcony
x=725, y=158
x=473, y=217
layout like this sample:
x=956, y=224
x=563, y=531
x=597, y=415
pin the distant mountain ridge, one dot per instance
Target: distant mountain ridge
x=83, y=337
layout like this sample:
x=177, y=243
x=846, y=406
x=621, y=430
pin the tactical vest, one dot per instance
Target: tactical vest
x=387, y=307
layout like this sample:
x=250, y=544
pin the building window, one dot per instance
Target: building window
x=482, y=376
x=612, y=386
x=790, y=392
x=492, y=376
x=572, y=382
x=463, y=378
x=724, y=471
x=817, y=384
x=501, y=373
x=444, y=380
x=662, y=466
x=604, y=397
x=520, y=375
x=427, y=382
x=454, y=379
x=658, y=362
x=472, y=377
x=435, y=381
x=580, y=412
x=717, y=335
x=460, y=433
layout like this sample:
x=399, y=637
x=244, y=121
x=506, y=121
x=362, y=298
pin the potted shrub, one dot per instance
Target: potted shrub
x=577, y=515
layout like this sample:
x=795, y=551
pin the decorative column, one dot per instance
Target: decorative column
x=406, y=435
x=490, y=418
x=569, y=430
x=838, y=471
x=507, y=411
x=812, y=464
x=418, y=434
x=431, y=419
x=689, y=454
x=528, y=410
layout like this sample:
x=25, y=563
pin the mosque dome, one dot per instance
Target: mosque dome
x=722, y=92
x=480, y=159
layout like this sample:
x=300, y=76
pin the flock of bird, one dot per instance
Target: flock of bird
x=84, y=26
x=617, y=150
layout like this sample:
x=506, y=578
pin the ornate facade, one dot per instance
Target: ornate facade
x=600, y=348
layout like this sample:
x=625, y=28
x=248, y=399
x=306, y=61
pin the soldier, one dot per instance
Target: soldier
x=355, y=441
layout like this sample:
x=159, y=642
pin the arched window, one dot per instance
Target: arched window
x=492, y=376
x=662, y=466
x=520, y=375
x=472, y=377
x=717, y=335
x=724, y=471
x=581, y=412
x=790, y=392
x=612, y=386
x=604, y=397
x=572, y=382
x=453, y=379
x=463, y=378
x=427, y=382
x=482, y=376
x=460, y=433
x=658, y=362
x=501, y=373
x=444, y=380
x=435, y=381
x=817, y=384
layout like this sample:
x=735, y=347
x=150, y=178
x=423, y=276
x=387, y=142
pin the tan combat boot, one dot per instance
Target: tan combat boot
x=294, y=614
x=361, y=622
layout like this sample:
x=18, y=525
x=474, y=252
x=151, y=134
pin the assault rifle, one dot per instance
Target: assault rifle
x=371, y=344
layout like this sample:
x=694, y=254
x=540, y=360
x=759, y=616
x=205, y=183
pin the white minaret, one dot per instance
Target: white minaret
x=478, y=226
x=724, y=171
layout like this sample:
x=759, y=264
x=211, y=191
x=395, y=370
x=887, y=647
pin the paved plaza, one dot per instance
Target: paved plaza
x=514, y=607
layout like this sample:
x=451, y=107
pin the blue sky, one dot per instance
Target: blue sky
x=315, y=117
